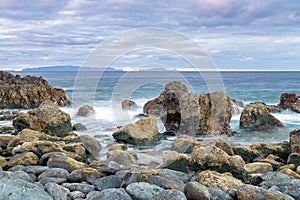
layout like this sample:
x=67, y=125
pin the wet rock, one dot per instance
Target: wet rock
x=143, y=190
x=247, y=154
x=258, y=167
x=184, y=144
x=117, y=146
x=194, y=191
x=46, y=118
x=169, y=195
x=176, y=161
x=28, y=92
x=27, y=158
x=56, y=191
x=290, y=173
x=298, y=170
x=107, y=182
x=129, y=105
x=216, y=180
x=64, y=162
x=91, y=144
x=143, y=132
x=54, y=173
x=79, y=127
x=85, y=111
x=295, y=141
x=217, y=194
x=126, y=158
x=87, y=174
x=274, y=108
x=190, y=113
x=109, y=194
x=246, y=192
x=82, y=187
x=290, y=101
x=14, y=188
x=76, y=151
x=275, y=161
x=7, y=129
x=256, y=116
x=36, y=170
x=283, y=150
x=294, y=158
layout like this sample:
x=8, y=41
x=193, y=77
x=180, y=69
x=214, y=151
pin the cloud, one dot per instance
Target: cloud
x=50, y=32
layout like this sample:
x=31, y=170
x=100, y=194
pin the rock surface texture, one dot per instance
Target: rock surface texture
x=28, y=92
x=190, y=113
x=256, y=116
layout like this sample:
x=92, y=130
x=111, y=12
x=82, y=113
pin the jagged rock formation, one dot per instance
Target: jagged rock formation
x=28, y=92
x=190, y=113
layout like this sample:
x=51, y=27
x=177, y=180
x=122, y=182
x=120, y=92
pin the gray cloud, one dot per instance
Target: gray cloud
x=49, y=32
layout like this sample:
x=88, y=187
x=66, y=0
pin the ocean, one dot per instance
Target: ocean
x=114, y=86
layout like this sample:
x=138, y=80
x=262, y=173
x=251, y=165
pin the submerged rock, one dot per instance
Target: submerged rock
x=143, y=132
x=256, y=116
x=189, y=113
x=46, y=118
x=129, y=105
x=85, y=111
x=28, y=92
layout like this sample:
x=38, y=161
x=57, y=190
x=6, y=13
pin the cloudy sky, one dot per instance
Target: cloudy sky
x=244, y=34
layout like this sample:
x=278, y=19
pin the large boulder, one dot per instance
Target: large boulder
x=143, y=132
x=28, y=92
x=47, y=118
x=290, y=101
x=190, y=113
x=85, y=110
x=256, y=116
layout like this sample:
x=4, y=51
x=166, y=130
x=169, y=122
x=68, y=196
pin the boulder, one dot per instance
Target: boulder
x=86, y=174
x=143, y=190
x=126, y=158
x=27, y=158
x=129, y=105
x=194, y=191
x=184, y=144
x=246, y=192
x=91, y=144
x=258, y=167
x=142, y=133
x=47, y=118
x=189, y=113
x=290, y=101
x=28, y=92
x=85, y=111
x=216, y=180
x=256, y=116
x=295, y=140
x=64, y=162
x=283, y=150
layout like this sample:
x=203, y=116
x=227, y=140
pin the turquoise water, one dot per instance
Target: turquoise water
x=113, y=87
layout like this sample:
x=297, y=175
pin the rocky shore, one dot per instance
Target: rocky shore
x=45, y=159
x=27, y=92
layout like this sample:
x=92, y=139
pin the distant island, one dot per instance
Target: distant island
x=69, y=68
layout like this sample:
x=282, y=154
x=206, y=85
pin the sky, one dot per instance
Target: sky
x=237, y=35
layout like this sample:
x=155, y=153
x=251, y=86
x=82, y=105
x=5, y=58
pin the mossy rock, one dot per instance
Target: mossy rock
x=247, y=154
x=294, y=158
x=283, y=150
